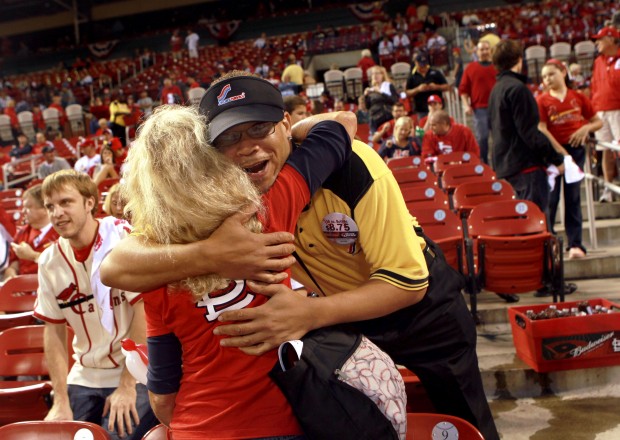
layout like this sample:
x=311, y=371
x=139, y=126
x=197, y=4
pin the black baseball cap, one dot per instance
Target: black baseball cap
x=421, y=59
x=238, y=100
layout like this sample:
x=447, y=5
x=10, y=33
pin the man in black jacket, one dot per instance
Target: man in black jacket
x=520, y=152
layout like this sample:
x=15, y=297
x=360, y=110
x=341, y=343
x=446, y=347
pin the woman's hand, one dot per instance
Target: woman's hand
x=579, y=137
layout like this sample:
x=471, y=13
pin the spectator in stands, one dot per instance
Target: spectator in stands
x=261, y=41
x=435, y=104
x=107, y=168
x=145, y=103
x=176, y=44
x=293, y=76
x=402, y=144
x=606, y=99
x=386, y=47
x=436, y=42
x=37, y=118
x=423, y=82
x=98, y=387
x=296, y=106
x=365, y=63
x=57, y=104
x=380, y=96
x=23, y=147
x=135, y=113
x=118, y=110
x=114, y=203
x=457, y=70
x=90, y=160
x=386, y=130
x=31, y=239
x=478, y=81
x=577, y=80
x=446, y=137
x=103, y=127
x=567, y=119
x=41, y=142
x=52, y=163
x=362, y=111
x=9, y=110
x=192, y=43
x=170, y=93
x=401, y=43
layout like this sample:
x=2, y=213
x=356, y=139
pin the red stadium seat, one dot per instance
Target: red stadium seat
x=456, y=175
x=425, y=197
x=16, y=319
x=105, y=185
x=515, y=252
x=407, y=177
x=468, y=195
x=406, y=162
x=23, y=401
x=159, y=432
x=455, y=158
x=440, y=426
x=18, y=294
x=53, y=430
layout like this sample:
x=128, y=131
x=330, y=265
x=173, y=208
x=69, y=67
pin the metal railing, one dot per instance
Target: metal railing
x=9, y=168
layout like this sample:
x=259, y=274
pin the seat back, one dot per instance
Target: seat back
x=400, y=73
x=57, y=430
x=455, y=158
x=195, y=95
x=440, y=426
x=26, y=124
x=535, y=57
x=75, y=114
x=353, y=82
x=27, y=401
x=512, y=244
x=314, y=91
x=159, y=432
x=21, y=351
x=6, y=132
x=471, y=172
x=334, y=83
x=414, y=176
x=18, y=294
x=11, y=203
x=106, y=184
x=444, y=228
x=424, y=197
x=468, y=195
x=51, y=116
x=405, y=162
x=560, y=51
x=584, y=53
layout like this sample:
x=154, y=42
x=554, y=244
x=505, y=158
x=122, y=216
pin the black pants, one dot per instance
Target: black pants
x=436, y=339
x=532, y=186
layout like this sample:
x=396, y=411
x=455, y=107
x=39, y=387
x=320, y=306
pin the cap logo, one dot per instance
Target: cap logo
x=221, y=98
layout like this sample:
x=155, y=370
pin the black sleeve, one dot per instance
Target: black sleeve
x=165, y=364
x=324, y=151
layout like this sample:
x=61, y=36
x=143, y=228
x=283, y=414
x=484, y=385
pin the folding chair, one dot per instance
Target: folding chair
x=444, y=228
x=584, y=54
x=470, y=194
x=440, y=426
x=53, y=430
x=457, y=175
x=159, y=432
x=425, y=197
x=195, y=95
x=353, y=82
x=400, y=73
x=26, y=124
x=405, y=162
x=535, y=57
x=515, y=252
x=6, y=131
x=18, y=294
x=560, y=51
x=407, y=177
x=334, y=83
x=51, y=116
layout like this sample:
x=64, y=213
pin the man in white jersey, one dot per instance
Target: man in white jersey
x=97, y=388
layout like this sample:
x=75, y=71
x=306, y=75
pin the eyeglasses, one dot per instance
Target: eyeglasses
x=257, y=131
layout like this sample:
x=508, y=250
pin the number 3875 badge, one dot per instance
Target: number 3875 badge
x=340, y=228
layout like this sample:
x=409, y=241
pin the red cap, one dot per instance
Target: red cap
x=559, y=64
x=608, y=31
x=434, y=98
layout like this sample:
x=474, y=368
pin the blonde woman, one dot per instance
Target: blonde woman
x=179, y=190
x=379, y=96
x=114, y=204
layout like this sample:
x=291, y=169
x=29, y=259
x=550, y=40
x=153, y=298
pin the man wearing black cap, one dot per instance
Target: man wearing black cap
x=423, y=82
x=357, y=246
x=52, y=163
x=22, y=148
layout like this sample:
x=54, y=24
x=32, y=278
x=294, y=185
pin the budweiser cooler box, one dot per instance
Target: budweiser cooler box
x=567, y=343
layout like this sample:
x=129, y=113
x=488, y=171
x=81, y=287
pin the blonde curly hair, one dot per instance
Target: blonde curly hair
x=179, y=188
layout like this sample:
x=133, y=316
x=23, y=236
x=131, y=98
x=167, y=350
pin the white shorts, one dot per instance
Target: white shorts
x=611, y=126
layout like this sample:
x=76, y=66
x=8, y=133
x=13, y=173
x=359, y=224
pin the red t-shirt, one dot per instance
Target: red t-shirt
x=459, y=138
x=225, y=393
x=365, y=63
x=37, y=240
x=605, y=83
x=168, y=93
x=563, y=118
x=477, y=82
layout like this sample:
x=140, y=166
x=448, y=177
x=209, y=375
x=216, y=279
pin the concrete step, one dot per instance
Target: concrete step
x=608, y=232
x=601, y=211
x=598, y=263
